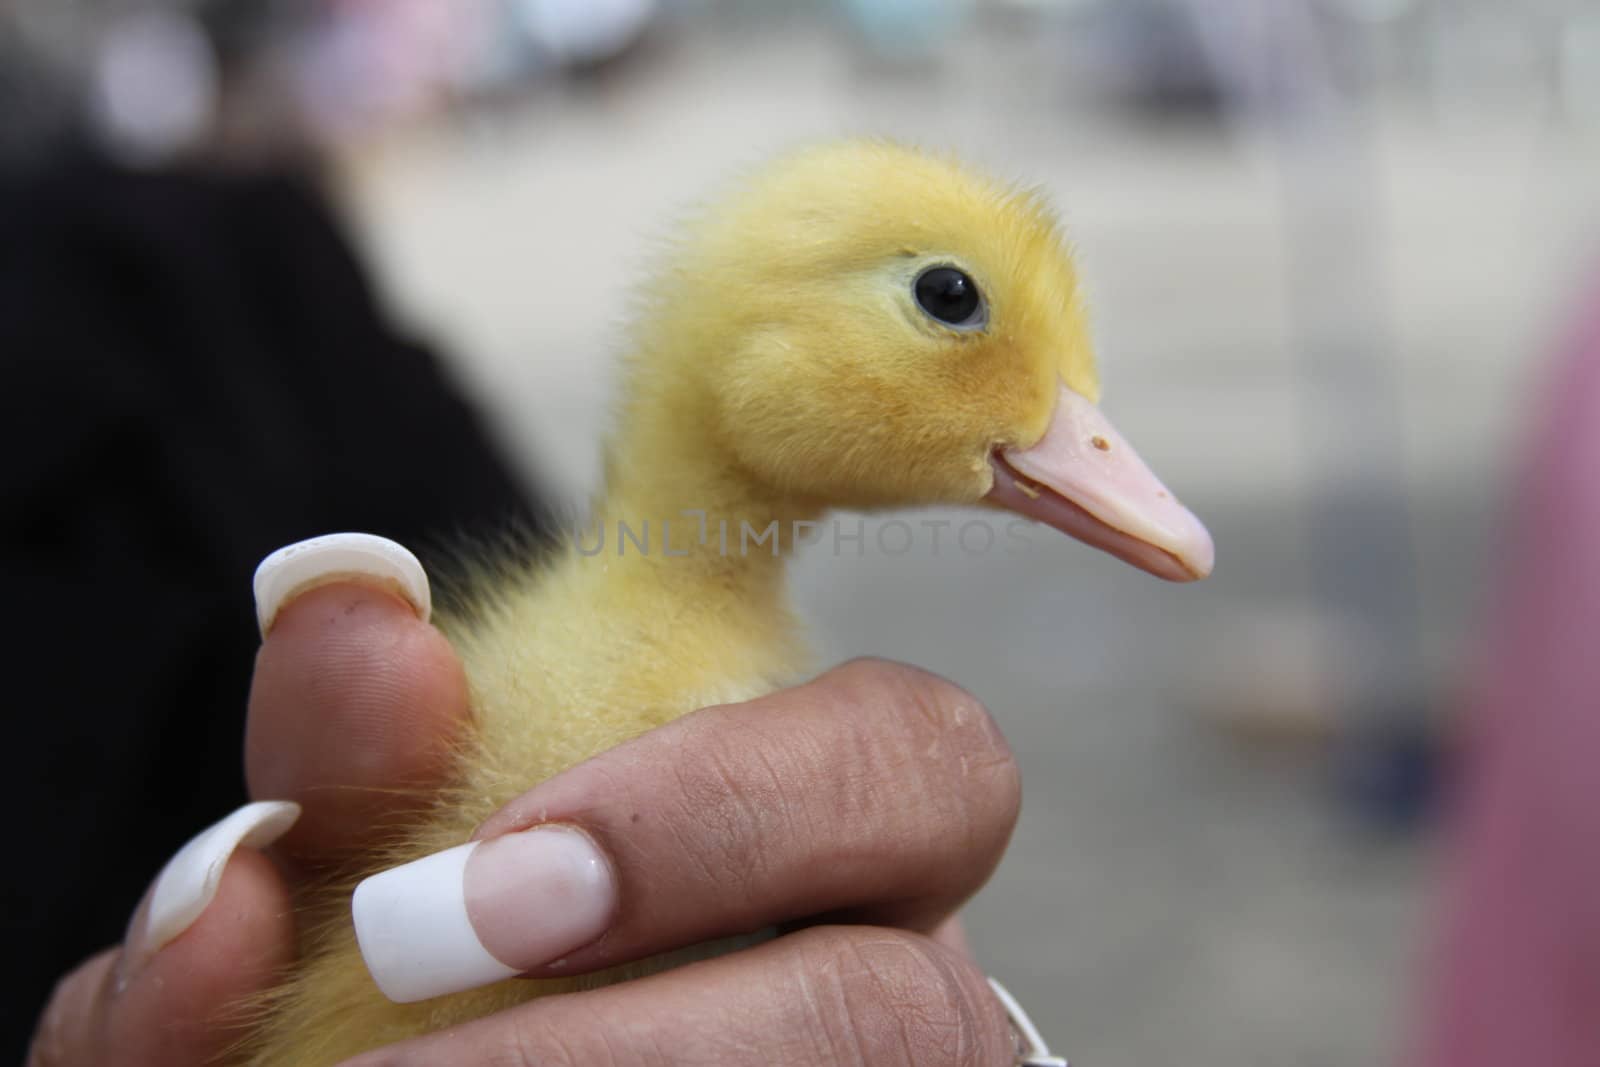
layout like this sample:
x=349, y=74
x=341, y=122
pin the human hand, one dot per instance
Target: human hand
x=857, y=811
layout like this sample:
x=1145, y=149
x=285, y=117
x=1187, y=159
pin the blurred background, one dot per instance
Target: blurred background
x=1330, y=245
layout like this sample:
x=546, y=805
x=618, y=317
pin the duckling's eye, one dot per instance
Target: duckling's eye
x=951, y=297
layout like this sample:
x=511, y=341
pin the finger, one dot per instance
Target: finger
x=876, y=793
x=823, y=996
x=355, y=698
x=212, y=932
x=952, y=934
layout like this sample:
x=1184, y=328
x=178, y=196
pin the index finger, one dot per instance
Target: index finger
x=874, y=794
x=355, y=700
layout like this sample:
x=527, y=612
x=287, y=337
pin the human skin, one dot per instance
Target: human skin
x=856, y=812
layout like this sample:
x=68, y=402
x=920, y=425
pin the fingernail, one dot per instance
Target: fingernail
x=189, y=881
x=295, y=568
x=483, y=911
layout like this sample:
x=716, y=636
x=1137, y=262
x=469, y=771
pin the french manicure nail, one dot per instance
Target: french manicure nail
x=189, y=880
x=295, y=568
x=482, y=911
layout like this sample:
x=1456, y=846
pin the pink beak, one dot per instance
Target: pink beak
x=1084, y=479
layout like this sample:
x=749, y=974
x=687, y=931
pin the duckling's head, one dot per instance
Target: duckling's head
x=870, y=326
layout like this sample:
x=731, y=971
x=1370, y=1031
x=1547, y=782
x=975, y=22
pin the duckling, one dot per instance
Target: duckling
x=859, y=325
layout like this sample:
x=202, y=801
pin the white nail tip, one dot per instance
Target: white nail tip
x=190, y=879
x=294, y=567
x=411, y=923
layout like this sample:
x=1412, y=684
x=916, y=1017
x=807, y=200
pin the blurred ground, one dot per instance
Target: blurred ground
x=1174, y=895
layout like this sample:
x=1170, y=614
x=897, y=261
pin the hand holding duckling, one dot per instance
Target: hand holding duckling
x=858, y=325
x=838, y=797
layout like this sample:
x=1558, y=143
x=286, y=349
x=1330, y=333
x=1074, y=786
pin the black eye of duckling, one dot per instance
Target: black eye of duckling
x=950, y=296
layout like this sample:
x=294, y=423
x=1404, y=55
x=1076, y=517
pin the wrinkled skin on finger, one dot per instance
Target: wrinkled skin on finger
x=817, y=998
x=877, y=793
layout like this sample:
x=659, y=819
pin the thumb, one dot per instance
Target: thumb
x=214, y=929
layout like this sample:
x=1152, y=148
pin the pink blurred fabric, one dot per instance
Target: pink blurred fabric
x=1516, y=978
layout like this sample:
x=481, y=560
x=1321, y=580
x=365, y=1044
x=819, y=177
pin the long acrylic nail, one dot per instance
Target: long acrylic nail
x=483, y=911
x=295, y=568
x=187, y=884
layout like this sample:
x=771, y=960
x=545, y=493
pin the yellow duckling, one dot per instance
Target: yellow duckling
x=860, y=325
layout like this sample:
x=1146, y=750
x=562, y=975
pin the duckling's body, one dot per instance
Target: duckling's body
x=550, y=687
x=784, y=363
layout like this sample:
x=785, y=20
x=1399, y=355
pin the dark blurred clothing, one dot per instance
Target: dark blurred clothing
x=195, y=372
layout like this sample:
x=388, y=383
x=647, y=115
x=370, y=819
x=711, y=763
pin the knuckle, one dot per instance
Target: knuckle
x=949, y=737
x=736, y=797
x=876, y=752
x=902, y=998
x=930, y=708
